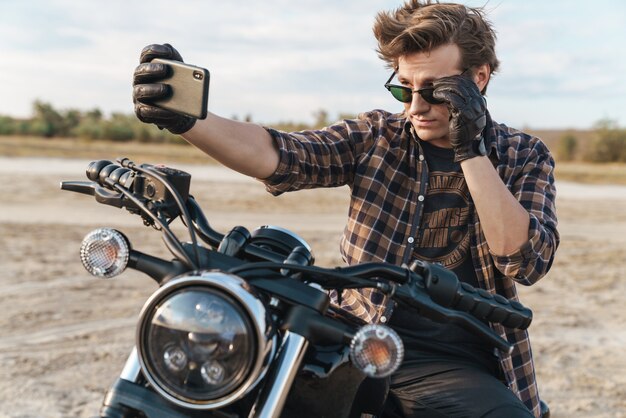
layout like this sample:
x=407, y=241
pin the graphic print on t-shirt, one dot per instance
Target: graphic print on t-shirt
x=443, y=236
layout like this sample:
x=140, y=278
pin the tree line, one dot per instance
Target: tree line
x=49, y=122
x=607, y=142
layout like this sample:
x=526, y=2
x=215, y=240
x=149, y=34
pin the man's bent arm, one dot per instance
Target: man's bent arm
x=245, y=147
x=504, y=220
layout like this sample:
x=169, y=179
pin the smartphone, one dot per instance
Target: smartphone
x=190, y=89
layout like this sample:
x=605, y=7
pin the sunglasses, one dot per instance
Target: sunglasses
x=405, y=94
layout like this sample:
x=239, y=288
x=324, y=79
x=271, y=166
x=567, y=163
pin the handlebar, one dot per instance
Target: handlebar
x=429, y=288
x=423, y=288
x=427, y=307
x=444, y=288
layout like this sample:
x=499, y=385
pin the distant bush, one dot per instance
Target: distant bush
x=567, y=147
x=8, y=126
x=119, y=127
x=608, y=144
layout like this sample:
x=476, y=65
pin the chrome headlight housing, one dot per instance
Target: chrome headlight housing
x=203, y=340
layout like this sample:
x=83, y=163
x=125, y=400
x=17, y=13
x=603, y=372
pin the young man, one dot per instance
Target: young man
x=440, y=182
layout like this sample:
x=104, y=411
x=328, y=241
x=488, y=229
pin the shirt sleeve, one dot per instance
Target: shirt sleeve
x=534, y=188
x=321, y=158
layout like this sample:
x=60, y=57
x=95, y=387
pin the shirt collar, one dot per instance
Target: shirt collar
x=490, y=135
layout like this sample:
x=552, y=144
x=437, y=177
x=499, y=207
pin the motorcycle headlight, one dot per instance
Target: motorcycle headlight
x=202, y=340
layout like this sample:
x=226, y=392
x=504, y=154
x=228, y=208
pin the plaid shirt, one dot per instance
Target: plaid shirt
x=378, y=156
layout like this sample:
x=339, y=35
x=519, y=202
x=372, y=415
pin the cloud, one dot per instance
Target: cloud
x=76, y=57
x=280, y=59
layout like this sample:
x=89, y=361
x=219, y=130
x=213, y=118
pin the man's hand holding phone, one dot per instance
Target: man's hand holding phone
x=170, y=94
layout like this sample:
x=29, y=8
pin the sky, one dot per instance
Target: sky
x=563, y=63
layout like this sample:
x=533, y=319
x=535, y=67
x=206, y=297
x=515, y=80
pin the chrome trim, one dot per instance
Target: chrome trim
x=286, y=367
x=132, y=368
x=288, y=232
x=237, y=288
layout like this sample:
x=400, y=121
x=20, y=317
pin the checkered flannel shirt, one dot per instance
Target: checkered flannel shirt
x=378, y=156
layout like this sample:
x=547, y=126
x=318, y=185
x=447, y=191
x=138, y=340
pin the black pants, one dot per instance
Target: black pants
x=448, y=387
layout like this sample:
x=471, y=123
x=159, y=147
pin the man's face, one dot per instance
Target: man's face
x=419, y=70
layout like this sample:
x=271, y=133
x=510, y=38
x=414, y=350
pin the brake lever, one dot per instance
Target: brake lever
x=443, y=286
x=83, y=187
x=417, y=298
x=102, y=195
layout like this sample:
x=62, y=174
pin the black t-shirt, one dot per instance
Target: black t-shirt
x=443, y=237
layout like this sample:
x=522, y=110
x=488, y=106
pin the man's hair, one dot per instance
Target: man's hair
x=420, y=26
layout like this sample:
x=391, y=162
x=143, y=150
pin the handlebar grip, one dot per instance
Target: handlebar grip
x=493, y=308
x=444, y=288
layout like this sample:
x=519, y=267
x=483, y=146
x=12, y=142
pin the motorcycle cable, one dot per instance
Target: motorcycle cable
x=185, y=217
x=201, y=225
x=318, y=275
x=174, y=240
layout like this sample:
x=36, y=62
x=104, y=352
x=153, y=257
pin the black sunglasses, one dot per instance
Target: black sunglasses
x=405, y=94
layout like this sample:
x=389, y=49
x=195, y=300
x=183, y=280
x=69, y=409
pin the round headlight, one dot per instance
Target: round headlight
x=202, y=344
x=104, y=252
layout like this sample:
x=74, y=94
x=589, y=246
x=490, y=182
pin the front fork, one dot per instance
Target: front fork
x=285, y=368
x=127, y=396
x=132, y=368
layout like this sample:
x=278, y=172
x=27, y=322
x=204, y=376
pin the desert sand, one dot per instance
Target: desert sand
x=64, y=335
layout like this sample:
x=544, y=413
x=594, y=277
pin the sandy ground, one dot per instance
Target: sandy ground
x=64, y=335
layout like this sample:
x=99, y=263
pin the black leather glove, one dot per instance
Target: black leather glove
x=147, y=89
x=467, y=109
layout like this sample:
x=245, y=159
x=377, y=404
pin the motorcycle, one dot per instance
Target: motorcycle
x=241, y=324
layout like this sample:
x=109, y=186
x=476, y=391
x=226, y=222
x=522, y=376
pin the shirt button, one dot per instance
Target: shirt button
x=410, y=240
x=383, y=319
x=421, y=157
x=420, y=198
